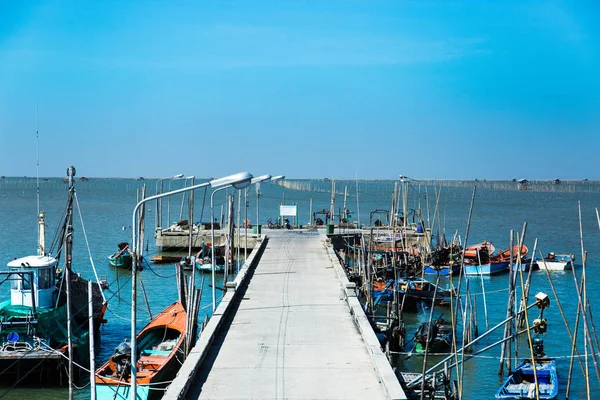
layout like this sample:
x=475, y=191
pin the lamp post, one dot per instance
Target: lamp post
x=257, y=181
x=275, y=179
x=158, y=216
x=213, y=183
x=191, y=178
x=169, y=199
x=238, y=181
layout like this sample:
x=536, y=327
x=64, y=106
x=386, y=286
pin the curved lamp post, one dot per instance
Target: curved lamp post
x=258, y=180
x=191, y=178
x=175, y=178
x=238, y=181
x=158, y=216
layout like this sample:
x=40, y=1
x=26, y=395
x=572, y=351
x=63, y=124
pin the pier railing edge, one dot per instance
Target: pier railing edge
x=180, y=385
x=381, y=364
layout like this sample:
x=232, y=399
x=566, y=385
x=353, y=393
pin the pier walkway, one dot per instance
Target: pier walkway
x=291, y=334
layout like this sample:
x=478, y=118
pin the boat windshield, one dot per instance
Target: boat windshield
x=20, y=281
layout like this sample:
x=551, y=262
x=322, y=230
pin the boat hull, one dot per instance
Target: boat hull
x=555, y=265
x=444, y=270
x=121, y=392
x=520, y=384
x=159, y=345
x=208, y=267
x=486, y=269
x=122, y=261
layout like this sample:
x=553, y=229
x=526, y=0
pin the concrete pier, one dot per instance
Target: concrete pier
x=173, y=240
x=291, y=327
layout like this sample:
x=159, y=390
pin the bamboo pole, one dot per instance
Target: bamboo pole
x=437, y=281
x=454, y=312
x=472, y=342
x=506, y=348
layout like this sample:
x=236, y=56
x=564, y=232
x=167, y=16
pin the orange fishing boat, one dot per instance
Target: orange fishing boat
x=471, y=251
x=506, y=253
x=159, y=357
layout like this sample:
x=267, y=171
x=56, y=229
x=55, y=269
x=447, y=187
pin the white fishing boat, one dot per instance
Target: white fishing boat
x=556, y=262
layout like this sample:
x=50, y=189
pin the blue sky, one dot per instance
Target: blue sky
x=309, y=89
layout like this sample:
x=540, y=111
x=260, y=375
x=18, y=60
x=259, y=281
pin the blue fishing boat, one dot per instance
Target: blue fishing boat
x=521, y=384
x=442, y=270
x=532, y=380
x=489, y=268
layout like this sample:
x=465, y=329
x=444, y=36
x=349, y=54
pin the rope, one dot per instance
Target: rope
x=87, y=243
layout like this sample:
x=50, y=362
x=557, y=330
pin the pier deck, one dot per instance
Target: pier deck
x=292, y=334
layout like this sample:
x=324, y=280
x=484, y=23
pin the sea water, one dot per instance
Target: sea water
x=103, y=218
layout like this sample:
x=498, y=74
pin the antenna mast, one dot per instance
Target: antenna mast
x=41, y=226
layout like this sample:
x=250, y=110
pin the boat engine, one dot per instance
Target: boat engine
x=122, y=359
x=538, y=347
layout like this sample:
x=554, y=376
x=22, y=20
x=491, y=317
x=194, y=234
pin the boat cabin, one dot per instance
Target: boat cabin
x=32, y=281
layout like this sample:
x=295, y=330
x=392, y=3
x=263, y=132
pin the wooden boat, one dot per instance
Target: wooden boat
x=206, y=266
x=160, y=345
x=443, y=270
x=525, y=264
x=471, y=251
x=163, y=258
x=506, y=253
x=433, y=337
x=489, y=268
x=34, y=343
x=122, y=258
x=482, y=261
x=412, y=292
x=556, y=262
x=521, y=384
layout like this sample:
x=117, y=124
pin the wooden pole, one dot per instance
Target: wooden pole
x=506, y=348
x=437, y=282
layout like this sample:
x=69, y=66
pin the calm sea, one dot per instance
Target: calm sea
x=105, y=207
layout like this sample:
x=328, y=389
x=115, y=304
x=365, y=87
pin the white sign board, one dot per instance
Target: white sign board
x=287, y=211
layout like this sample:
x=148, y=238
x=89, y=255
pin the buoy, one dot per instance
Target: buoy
x=13, y=337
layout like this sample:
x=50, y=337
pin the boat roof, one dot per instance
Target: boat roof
x=33, y=262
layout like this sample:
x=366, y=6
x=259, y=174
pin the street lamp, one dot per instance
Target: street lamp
x=273, y=179
x=258, y=180
x=178, y=177
x=240, y=180
x=158, y=216
x=191, y=178
x=237, y=181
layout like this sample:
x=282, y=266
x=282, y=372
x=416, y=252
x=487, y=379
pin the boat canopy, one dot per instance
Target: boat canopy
x=32, y=272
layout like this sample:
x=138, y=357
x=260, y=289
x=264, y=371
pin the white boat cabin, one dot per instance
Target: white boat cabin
x=37, y=272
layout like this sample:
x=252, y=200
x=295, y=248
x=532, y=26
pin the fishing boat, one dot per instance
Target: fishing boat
x=556, y=262
x=34, y=328
x=205, y=265
x=489, y=268
x=165, y=258
x=433, y=337
x=471, y=251
x=481, y=260
x=122, y=258
x=420, y=291
x=530, y=377
x=505, y=254
x=160, y=349
x=443, y=270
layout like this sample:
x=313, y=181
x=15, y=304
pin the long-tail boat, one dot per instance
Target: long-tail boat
x=160, y=349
